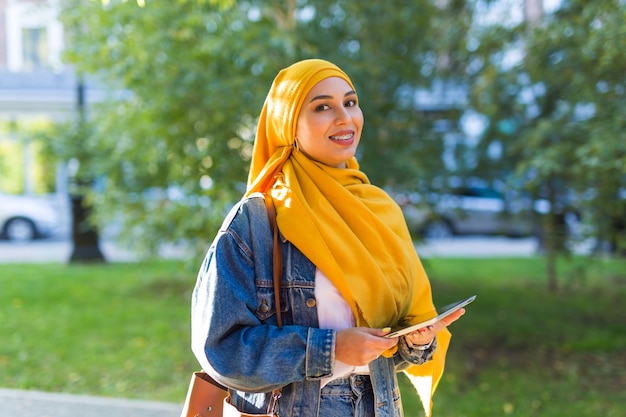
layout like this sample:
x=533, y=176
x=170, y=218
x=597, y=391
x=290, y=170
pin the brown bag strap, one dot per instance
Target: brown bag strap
x=277, y=266
x=277, y=260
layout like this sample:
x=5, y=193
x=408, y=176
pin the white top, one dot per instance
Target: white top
x=334, y=312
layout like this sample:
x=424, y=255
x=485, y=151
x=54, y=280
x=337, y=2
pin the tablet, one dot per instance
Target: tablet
x=438, y=315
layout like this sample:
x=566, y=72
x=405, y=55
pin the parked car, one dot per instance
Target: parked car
x=471, y=211
x=24, y=218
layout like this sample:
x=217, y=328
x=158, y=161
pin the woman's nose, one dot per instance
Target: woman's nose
x=342, y=116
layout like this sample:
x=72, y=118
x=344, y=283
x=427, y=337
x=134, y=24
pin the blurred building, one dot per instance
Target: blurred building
x=35, y=89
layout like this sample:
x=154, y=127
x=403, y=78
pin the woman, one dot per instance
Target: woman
x=350, y=271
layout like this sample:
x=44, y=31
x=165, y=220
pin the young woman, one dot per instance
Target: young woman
x=350, y=271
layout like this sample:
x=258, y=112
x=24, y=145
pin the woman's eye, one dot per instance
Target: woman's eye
x=350, y=103
x=322, y=107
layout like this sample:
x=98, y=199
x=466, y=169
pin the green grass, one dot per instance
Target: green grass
x=521, y=351
x=122, y=330
x=113, y=330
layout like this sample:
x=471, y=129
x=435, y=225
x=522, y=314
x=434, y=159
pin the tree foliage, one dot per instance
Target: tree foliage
x=188, y=79
x=557, y=110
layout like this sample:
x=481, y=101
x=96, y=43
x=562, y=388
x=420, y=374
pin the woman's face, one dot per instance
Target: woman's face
x=330, y=123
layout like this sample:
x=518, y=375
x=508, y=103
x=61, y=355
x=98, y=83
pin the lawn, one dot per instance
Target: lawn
x=118, y=330
x=122, y=330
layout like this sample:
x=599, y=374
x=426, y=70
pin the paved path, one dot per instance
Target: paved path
x=478, y=247
x=16, y=403
x=59, y=250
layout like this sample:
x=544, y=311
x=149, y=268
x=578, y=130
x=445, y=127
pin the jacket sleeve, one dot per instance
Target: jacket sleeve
x=234, y=333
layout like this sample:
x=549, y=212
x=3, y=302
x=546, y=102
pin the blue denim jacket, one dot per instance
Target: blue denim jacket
x=234, y=333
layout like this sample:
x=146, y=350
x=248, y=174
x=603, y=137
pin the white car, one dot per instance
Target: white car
x=24, y=218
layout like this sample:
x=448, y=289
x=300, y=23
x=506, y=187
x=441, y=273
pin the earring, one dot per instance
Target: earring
x=296, y=147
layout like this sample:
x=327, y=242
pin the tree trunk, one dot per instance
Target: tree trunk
x=85, y=237
x=533, y=12
x=555, y=235
x=551, y=252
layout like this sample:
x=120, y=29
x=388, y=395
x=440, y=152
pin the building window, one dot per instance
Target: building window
x=35, y=47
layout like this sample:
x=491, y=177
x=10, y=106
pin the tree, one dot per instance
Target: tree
x=557, y=111
x=191, y=76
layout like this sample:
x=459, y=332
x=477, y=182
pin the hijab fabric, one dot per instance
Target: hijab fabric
x=350, y=229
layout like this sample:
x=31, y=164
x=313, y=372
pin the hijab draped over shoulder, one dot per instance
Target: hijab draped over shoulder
x=350, y=229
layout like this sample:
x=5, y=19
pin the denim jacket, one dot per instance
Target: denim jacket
x=234, y=332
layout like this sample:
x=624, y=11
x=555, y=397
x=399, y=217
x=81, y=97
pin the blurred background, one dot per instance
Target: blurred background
x=492, y=118
x=126, y=127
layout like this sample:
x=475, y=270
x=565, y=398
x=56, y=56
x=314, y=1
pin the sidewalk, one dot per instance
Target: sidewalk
x=59, y=250
x=16, y=403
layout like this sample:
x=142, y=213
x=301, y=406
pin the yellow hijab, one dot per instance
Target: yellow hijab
x=350, y=229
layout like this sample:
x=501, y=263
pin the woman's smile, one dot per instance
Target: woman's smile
x=344, y=138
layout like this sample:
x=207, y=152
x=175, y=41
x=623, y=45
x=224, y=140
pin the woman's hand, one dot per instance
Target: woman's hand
x=358, y=346
x=425, y=335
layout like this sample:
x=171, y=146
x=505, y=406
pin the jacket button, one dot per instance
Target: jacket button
x=264, y=308
x=310, y=302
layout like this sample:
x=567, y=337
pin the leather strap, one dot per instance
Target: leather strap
x=277, y=267
x=277, y=260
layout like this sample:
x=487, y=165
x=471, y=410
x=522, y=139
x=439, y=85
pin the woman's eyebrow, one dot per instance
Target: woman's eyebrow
x=325, y=96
